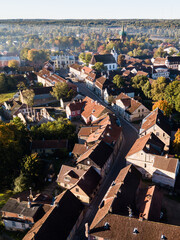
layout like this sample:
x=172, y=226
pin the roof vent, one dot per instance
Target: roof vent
x=113, y=183
x=163, y=237
x=135, y=231
x=106, y=226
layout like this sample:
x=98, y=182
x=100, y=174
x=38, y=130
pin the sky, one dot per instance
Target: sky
x=92, y=9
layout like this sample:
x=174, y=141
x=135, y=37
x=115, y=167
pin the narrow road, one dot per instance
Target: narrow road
x=130, y=135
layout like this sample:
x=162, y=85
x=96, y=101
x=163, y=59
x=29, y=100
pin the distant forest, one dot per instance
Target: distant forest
x=174, y=23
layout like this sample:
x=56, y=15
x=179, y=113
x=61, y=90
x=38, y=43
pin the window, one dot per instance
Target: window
x=163, y=134
x=23, y=225
x=88, y=162
x=157, y=134
x=145, y=165
x=13, y=224
x=138, y=110
x=77, y=189
x=143, y=110
x=109, y=66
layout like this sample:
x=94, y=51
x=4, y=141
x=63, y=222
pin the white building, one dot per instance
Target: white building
x=63, y=61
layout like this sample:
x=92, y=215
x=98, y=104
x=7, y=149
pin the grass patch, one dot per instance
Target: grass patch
x=4, y=197
x=5, y=96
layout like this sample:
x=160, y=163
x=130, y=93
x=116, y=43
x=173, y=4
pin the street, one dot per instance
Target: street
x=129, y=136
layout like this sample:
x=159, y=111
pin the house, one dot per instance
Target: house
x=100, y=156
x=42, y=96
x=47, y=147
x=12, y=108
x=114, y=92
x=142, y=73
x=109, y=130
x=100, y=85
x=79, y=149
x=115, y=227
x=92, y=110
x=62, y=61
x=143, y=152
x=84, y=133
x=86, y=188
x=109, y=60
x=166, y=170
x=83, y=184
x=20, y=215
x=157, y=123
x=75, y=71
x=121, y=195
x=160, y=71
x=129, y=108
x=74, y=109
x=69, y=176
x=90, y=81
x=158, y=61
x=173, y=62
x=61, y=221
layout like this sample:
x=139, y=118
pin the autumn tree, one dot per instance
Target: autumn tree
x=164, y=106
x=121, y=60
x=13, y=64
x=118, y=81
x=60, y=90
x=28, y=95
x=176, y=142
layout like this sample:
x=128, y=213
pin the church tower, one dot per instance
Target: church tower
x=122, y=34
x=114, y=53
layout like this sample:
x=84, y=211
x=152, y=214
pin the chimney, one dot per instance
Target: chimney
x=30, y=194
x=86, y=230
x=29, y=203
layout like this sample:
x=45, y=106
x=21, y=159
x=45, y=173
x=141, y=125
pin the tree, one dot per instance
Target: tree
x=158, y=88
x=24, y=53
x=21, y=86
x=110, y=99
x=99, y=66
x=159, y=53
x=121, y=60
x=164, y=106
x=13, y=64
x=60, y=90
x=171, y=92
x=20, y=183
x=28, y=95
x=177, y=103
x=138, y=81
x=118, y=80
x=176, y=142
x=82, y=57
x=146, y=88
x=88, y=58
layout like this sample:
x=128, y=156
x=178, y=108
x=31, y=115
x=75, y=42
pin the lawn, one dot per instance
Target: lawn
x=4, y=197
x=6, y=96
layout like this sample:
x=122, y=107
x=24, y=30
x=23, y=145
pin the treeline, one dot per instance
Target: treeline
x=97, y=22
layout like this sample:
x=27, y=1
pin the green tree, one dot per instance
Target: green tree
x=177, y=103
x=146, y=88
x=21, y=86
x=139, y=81
x=20, y=183
x=171, y=92
x=24, y=53
x=158, y=88
x=118, y=80
x=82, y=57
x=99, y=66
x=164, y=106
x=60, y=90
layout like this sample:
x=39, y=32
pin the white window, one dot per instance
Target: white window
x=88, y=162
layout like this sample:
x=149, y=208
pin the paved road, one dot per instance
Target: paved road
x=130, y=135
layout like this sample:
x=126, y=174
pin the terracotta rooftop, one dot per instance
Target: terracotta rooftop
x=142, y=73
x=141, y=144
x=159, y=61
x=91, y=77
x=98, y=153
x=86, y=131
x=149, y=203
x=155, y=117
x=87, y=69
x=76, y=66
x=121, y=227
x=73, y=173
x=100, y=82
x=58, y=222
x=165, y=163
x=79, y=149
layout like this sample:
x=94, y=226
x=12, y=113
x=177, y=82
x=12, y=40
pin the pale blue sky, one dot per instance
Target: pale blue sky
x=66, y=9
